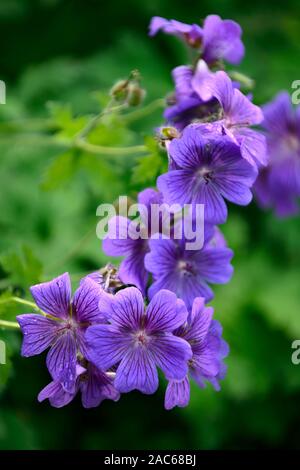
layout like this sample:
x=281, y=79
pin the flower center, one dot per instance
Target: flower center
x=206, y=173
x=186, y=268
x=141, y=338
x=293, y=143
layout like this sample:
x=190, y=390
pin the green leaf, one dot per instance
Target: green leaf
x=60, y=171
x=22, y=266
x=63, y=119
x=148, y=167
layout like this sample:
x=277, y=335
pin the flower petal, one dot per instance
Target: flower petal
x=214, y=264
x=106, y=345
x=132, y=269
x=162, y=257
x=187, y=151
x=253, y=146
x=222, y=40
x=54, y=297
x=57, y=396
x=127, y=308
x=61, y=360
x=137, y=371
x=243, y=111
x=96, y=387
x=38, y=333
x=119, y=241
x=85, y=304
x=171, y=355
x=177, y=393
x=164, y=313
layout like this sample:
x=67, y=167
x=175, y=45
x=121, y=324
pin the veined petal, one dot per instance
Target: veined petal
x=96, y=387
x=106, y=345
x=132, y=269
x=85, y=304
x=214, y=264
x=171, y=355
x=187, y=151
x=243, y=111
x=177, y=393
x=61, y=360
x=38, y=333
x=177, y=186
x=164, y=313
x=127, y=308
x=201, y=319
x=137, y=371
x=54, y=297
x=162, y=257
x=57, y=396
x=119, y=241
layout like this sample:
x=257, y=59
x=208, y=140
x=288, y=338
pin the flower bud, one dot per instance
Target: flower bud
x=119, y=91
x=136, y=94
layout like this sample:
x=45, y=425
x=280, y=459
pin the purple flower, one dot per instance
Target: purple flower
x=278, y=185
x=238, y=113
x=122, y=241
x=187, y=272
x=218, y=40
x=191, y=34
x=137, y=341
x=186, y=104
x=94, y=385
x=222, y=40
x=63, y=326
x=209, y=171
x=209, y=349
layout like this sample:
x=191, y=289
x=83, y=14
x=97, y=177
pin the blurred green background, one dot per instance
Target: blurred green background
x=66, y=51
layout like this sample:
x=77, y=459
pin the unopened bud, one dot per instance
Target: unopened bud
x=136, y=94
x=119, y=91
x=170, y=132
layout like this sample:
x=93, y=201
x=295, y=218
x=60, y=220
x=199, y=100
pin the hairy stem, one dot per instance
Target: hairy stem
x=9, y=324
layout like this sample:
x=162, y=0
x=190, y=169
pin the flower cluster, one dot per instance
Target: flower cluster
x=278, y=185
x=103, y=344
x=120, y=326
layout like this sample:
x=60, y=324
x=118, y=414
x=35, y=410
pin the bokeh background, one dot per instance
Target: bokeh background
x=60, y=52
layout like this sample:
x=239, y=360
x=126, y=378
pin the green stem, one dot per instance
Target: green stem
x=145, y=111
x=93, y=122
x=103, y=150
x=9, y=324
x=23, y=302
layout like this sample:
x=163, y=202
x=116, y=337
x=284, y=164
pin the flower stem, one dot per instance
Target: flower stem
x=21, y=301
x=103, y=150
x=9, y=324
x=93, y=122
x=145, y=111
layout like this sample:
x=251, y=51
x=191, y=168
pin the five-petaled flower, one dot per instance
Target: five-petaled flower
x=188, y=272
x=62, y=327
x=209, y=170
x=137, y=341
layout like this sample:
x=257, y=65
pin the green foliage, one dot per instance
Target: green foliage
x=50, y=191
x=148, y=167
x=22, y=267
x=60, y=171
